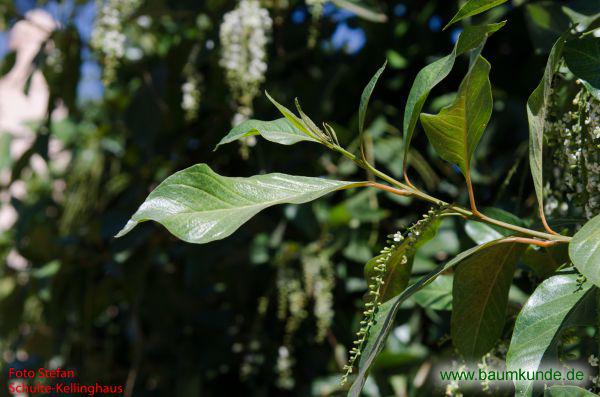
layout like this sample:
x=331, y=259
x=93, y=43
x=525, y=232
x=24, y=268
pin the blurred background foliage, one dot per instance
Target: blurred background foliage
x=272, y=309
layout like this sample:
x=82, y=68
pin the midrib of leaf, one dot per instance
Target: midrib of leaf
x=489, y=291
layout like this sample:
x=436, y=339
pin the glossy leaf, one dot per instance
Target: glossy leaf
x=198, y=206
x=480, y=297
x=567, y=391
x=455, y=132
x=539, y=322
x=384, y=319
x=366, y=95
x=473, y=37
x=280, y=131
x=473, y=7
x=537, y=109
x=584, y=250
x=582, y=56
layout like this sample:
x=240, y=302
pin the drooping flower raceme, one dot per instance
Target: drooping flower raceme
x=397, y=241
x=573, y=138
x=108, y=37
x=244, y=35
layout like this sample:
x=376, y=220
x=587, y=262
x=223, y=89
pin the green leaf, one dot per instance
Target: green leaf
x=582, y=56
x=473, y=37
x=366, y=95
x=455, y=132
x=537, y=109
x=290, y=116
x=437, y=295
x=198, y=206
x=473, y=7
x=482, y=232
x=480, y=297
x=550, y=306
x=545, y=260
x=280, y=131
x=584, y=250
x=384, y=319
x=567, y=391
x=398, y=271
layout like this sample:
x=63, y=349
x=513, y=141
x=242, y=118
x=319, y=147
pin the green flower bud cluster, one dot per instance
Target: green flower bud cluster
x=397, y=241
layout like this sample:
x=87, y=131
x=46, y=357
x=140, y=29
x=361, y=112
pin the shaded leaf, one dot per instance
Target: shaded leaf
x=455, y=132
x=384, y=318
x=280, y=131
x=366, y=95
x=545, y=260
x=582, y=56
x=584, y=250
x=399, y=266
x=537, y=109
x=473, y=7
x=539, y=322
x=480, y=297
x=437, y=295
x=431, y=75
x=198, y=206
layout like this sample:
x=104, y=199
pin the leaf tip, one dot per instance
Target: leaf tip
x=127, y=228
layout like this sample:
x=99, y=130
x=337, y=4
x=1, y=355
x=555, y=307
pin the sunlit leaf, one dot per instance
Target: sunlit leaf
x=473, y=37
x=584, y=250
x=280, y=131
x=198, y=206
x=473, y=7
x=567, y=391
x=537, y=327
x=455, y=132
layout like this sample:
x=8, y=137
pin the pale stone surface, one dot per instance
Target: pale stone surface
x=20, y=108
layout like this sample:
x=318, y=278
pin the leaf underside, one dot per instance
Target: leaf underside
x=280, y=131
x=472, y=38
x=198, y=206
x=455, y=132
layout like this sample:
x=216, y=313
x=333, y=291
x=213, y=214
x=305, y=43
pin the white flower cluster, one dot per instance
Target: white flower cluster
x=574, y=142
x=319, y=281
x=244, y=35
x=397, y=243
x=190, y=95
x=108, y=37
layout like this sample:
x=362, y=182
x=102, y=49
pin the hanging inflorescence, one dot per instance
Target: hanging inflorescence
x=108, y=37
x=574, y=142
x=397, y=241
x=244, y=34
